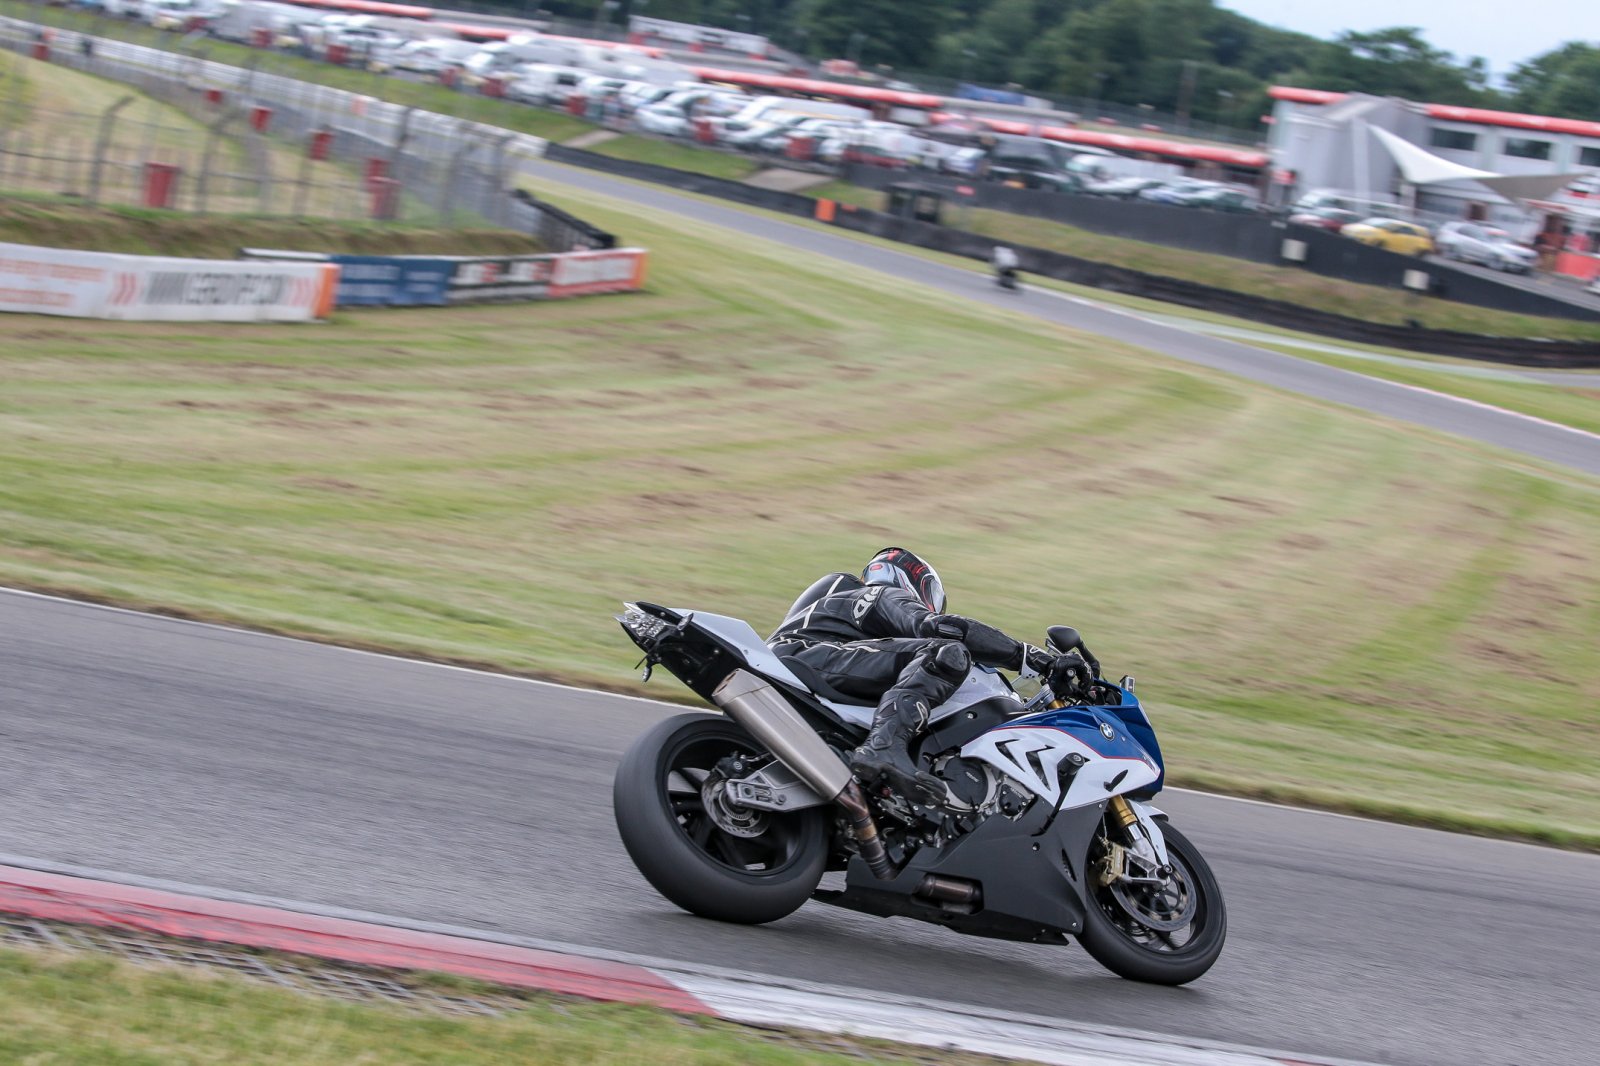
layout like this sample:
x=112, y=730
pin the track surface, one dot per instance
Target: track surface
x=1530, y=436
x=263, y=765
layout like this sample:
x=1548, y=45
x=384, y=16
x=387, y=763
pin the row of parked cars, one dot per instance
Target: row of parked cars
x=1465, y=241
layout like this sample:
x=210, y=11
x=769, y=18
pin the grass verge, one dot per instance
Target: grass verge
x=143, y=231
x=68, y=1008
x=1318, y=603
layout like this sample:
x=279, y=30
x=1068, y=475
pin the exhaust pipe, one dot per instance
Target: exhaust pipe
x=872, y=852
x=756, y=705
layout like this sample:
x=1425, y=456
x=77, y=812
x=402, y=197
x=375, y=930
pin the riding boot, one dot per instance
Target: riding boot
x=887, y=751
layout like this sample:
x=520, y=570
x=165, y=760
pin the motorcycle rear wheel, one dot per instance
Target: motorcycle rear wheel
x=713, y=860
x=1114, y=935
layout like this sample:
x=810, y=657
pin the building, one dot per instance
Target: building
x=1325, y=141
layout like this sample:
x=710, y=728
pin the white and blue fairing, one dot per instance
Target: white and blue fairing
x=1113, y=748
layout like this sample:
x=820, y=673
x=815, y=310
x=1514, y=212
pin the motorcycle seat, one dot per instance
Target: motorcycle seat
x=813, y=681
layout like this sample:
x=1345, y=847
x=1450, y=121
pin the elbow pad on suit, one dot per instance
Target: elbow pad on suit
x=943, y=626
x=987, y=644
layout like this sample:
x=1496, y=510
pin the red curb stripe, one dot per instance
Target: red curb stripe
x=80, y=900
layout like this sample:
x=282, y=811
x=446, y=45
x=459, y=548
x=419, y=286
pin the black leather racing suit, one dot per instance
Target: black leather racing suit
x=879, y=642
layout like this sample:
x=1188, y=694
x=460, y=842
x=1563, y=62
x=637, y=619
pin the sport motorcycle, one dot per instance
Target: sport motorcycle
x=1045, y=831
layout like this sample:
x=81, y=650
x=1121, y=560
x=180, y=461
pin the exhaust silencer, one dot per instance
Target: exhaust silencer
x=767, y=716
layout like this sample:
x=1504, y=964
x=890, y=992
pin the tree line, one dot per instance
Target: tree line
x=1185, y=56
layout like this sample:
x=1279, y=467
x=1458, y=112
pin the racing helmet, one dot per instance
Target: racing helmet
x=900, y=568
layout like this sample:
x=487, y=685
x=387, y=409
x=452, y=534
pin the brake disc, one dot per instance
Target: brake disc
x=1165, y=906
x=746, y=822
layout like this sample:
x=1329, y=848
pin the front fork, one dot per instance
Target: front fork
x=1143, y=855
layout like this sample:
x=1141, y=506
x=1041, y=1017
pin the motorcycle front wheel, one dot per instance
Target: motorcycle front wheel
x=1166, y=934
x=711, y=857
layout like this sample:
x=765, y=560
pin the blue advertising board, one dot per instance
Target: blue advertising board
x=392, y=280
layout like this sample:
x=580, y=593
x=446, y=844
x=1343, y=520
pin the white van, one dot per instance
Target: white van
x=765, y=108
x=545, y=83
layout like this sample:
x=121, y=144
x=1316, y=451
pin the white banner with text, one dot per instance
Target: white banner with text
x=57, y=281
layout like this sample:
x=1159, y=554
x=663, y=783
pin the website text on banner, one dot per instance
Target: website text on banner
x=55, y=281
x=548, y=277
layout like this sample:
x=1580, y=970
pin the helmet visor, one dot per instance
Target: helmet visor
x=931, y=589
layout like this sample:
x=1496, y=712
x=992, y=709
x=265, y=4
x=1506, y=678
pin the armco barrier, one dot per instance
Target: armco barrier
x=55, y=281
x=787, y=202
x=1513, y=350
x=402, y=280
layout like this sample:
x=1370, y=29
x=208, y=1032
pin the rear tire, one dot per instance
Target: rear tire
x=761, y=871
x=1126, y=947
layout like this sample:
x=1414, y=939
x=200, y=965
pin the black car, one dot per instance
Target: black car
x=1032, y=163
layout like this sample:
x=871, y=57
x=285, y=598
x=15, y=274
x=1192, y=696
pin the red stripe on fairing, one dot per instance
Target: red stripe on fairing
x=74, y=899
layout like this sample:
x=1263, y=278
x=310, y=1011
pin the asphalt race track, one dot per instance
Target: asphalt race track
x=1534, y=437
x=258, y=764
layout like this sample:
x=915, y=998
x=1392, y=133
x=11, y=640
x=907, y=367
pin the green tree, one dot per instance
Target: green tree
x=1563, y=82
x=890, y=32
x=1396, y=62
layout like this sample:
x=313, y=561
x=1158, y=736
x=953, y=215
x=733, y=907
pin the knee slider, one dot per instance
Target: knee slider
x=950, y=661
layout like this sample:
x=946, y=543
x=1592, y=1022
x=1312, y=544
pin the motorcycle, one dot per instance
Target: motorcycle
x=1006, y=278
x=1045, y=832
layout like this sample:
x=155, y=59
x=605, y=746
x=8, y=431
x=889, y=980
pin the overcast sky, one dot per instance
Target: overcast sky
x=1501, y=31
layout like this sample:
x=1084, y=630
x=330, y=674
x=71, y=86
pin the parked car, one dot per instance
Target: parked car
x=1122, y=188
x=1392, y=234
x=545, y=83
x=1174, y=191
x=1224, y=198
x=1332, y=219
x=1360, y=206
x=1033, y=163
x=1474, y=242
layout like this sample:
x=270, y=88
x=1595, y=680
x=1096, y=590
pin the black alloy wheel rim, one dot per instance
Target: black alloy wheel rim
x=1125, y=905
x=689, y=768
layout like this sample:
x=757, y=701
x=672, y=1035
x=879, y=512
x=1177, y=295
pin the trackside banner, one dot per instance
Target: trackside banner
x=55, y=281
x=399, y=280
x=547, y=277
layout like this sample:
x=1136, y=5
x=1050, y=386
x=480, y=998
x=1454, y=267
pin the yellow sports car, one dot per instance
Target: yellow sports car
x=1407, y=238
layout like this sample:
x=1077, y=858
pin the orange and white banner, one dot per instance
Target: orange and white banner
x=55, y=281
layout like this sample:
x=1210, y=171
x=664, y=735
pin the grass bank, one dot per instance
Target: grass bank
x=1318, y=603
x=67, y=1008
x=142, y=231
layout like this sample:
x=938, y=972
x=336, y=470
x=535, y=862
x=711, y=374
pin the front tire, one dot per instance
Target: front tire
x=712, y=859
x=1117, y=938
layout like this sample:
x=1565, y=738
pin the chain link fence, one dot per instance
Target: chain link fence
x=238, y=139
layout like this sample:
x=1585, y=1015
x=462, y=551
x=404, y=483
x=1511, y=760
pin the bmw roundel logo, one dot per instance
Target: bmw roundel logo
x=1107, y=732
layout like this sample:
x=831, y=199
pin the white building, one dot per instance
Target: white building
x=1325, y=140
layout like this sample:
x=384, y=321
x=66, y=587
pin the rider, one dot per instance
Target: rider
x=1004, y=262
x=886, y=637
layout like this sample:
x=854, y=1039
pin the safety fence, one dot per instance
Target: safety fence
x=267, y=144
